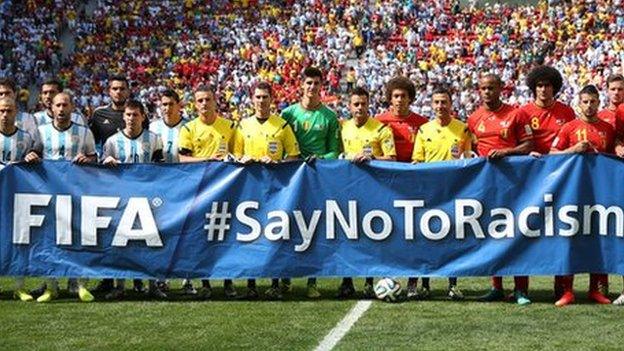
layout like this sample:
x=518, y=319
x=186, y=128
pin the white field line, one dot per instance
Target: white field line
x=342, y=328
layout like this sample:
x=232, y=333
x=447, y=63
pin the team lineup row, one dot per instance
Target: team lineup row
x=309, y=130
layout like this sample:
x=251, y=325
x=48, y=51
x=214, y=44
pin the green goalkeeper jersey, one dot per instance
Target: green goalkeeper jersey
x=317, y=132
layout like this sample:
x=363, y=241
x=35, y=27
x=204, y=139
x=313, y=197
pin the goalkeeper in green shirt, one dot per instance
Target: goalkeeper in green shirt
x=317, y=131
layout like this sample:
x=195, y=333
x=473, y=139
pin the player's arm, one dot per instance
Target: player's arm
x=291, y=146
x=418, y=155
x=89, y=155
x=563, y=145
x=108, y=155
x=333, y=141
x=387, y=144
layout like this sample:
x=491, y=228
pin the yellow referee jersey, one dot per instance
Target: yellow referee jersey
x=273, y=138
x=207, y=141
x=373, y=138
x=435, y=142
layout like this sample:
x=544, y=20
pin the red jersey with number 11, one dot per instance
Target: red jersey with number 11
x=599, y=133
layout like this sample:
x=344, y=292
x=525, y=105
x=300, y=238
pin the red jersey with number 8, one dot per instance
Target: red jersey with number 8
x=546, y=122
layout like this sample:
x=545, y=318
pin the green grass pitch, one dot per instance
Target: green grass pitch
x=300, y=324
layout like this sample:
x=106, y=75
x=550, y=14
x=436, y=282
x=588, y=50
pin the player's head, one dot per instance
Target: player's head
x=400, y=93
x=62, y=106
x=134, y=114
x=262, y=97
x=589, y=101
x=7, y=88
x=311, y=84
x=170, y=104
x=490, y=87
x=358, y=103
x=49, y=89
x=8, y=111
x=118, y=90
x=545, y=82
x=205, y=101
x=441, y=101
x=615, y=89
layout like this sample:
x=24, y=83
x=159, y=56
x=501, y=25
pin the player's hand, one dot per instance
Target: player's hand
x=582, y=146
x=245, y=160
x=111, y=161
x=361, y=158
x=82, y=159
x=310, y=159
x=619, y=150
x=32, y=157
x=497, y=154
x=266, y=160
x=535, y=154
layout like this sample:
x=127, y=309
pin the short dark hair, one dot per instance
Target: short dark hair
x=614, y=78
x=360, y=91
x=170, y=93
x=135, y=104
x=203, y=88
x=312, y=72
x=53, y=81
x=8, y=82
x=400, y=83
x=118, y=78
x=263, y=86
x=545, y=74
x=442, y=89
x=494, y=76
x=590, y=90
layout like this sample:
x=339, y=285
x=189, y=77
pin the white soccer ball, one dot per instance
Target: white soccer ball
x=388, y=289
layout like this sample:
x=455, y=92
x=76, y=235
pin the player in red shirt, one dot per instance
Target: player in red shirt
x=401, y=92
x=545, y=114
x=500, y=130
x=615, y=91
x=587, y=134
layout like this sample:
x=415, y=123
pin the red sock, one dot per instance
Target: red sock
x=497, y=283
x=596, y=280
x=565, y=282
x=521, y=283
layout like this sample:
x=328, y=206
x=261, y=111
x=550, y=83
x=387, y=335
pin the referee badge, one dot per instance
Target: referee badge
x=273, y=146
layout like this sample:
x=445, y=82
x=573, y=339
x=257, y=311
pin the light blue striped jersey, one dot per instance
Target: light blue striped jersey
x=26, y=122
x=65, y=144
x=168, y=137
x=145, y=148
x=43, y=117
x=14, y=147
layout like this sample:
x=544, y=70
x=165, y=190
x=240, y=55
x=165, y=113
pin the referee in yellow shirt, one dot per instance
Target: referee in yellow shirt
x=364, y=138
x=265, y=138
x=442, y=139
x=207, y=137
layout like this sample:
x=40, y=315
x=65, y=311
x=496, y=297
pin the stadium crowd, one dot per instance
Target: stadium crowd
x=182, y=43
x=226, y=67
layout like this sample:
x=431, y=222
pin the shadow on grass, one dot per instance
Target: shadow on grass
x=298, y=294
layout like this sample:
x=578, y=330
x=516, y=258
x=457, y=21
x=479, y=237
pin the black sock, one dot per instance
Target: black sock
x=425, y=283
x=251, y=283
x=275, y=283
x=412, y=282
x=369, y=280
x=205, y=283
x=452, y=281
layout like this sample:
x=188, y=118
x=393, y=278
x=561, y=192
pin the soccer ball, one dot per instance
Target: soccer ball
x=387, y=289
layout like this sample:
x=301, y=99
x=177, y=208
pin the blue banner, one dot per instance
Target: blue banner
x=517, y=216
